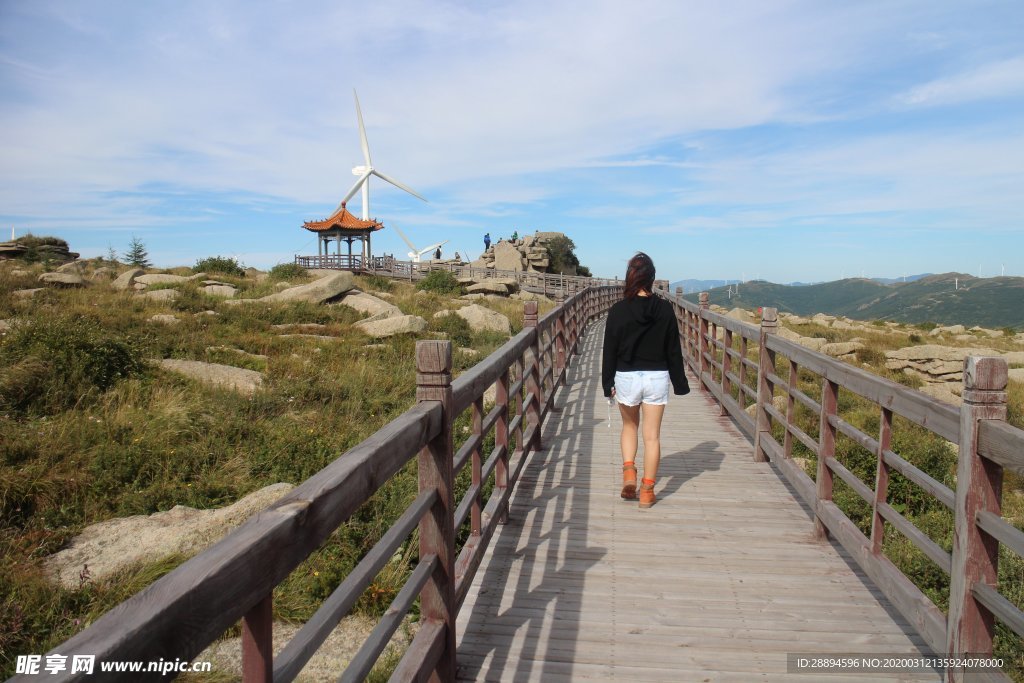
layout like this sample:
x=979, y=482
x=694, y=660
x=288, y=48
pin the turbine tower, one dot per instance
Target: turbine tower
x=366, y=170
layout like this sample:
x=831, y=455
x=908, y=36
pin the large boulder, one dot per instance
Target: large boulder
x=243, y=381
x=223, y=291
x=949, y=329
x=488, y=287
x=324, y=289
x=126, y=280
x=159, y=279
x=161, y=295
x=377, y=309
x=933, y=363
x=119, y=543
x=842, y=349
x=507, y=257
x=389, y=327
x=67, y=279
x=482, y=318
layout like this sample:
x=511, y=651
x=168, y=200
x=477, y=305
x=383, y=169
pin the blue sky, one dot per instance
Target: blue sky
x=784, y=140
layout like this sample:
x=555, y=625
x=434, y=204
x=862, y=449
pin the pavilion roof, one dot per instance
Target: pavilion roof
x=343, y=219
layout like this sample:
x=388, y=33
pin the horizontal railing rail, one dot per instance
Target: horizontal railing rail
x=179, y=615
x=548, y=284
x=986, y=445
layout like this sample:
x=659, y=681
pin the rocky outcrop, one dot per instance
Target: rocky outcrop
x=950, y=329
x=369, y=304
x=319, y=291
x=160, y=279
x=117, y=544
x=842, y=350
x=67, y=279
x=389, y=327
x=126, y=280
x=164, y=319
x=161, y=295
x=43, y=252
x=220, y=291
x=933, y=363
x=492, y=286
x=528, y=253
x=243, y=381
x=481, y=318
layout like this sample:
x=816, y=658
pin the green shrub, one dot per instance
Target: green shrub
x=379, y=283
x=31, y=240
x=287, y=271
x=440, y=282
x=50, y=367
x=926, y=326
x=455, y=327
x=219, y=264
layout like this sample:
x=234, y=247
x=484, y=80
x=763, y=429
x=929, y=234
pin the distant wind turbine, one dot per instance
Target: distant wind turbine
x=365, y=171
x=416, y=254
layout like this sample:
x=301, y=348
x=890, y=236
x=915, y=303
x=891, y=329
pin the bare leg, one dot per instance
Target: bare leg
x=652, y=438
x=630, y=425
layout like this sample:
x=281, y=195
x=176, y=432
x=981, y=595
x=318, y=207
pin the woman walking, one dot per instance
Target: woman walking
x=641, y=358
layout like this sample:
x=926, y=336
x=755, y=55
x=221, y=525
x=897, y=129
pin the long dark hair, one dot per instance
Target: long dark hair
x=639, y=275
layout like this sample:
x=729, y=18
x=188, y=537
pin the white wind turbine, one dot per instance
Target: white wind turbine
x=365, y=171
x=416, y=254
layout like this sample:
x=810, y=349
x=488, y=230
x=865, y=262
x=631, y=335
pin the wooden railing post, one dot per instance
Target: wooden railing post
x=257, y=642
x=765, y=391
x=881, y=481
x=501, y=398
x=726, y=369
x=560, y=348
x=702, y=344
x=826, y=449
x=531, y=375
x=437, y=532
x=979, y=486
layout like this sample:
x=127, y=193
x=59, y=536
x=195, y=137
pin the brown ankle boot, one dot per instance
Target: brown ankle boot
x=628, y=481
x=647, y=493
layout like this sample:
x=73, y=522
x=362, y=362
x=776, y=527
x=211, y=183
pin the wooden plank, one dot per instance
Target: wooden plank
x=421, y=657
x=1002, y=443
x=722, y=562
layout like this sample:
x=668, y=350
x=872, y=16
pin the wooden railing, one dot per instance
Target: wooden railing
x=179, y=615
x=548, y=284
x=719, y=351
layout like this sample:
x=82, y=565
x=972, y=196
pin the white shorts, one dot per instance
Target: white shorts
x=642, y=386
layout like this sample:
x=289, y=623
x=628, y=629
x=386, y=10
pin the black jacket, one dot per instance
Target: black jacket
x=642, y=334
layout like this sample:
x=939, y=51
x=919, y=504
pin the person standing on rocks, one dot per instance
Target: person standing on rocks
x=487, y=241
x=641, y=359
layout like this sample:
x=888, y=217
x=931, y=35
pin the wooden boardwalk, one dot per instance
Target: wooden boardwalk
x=717, y=582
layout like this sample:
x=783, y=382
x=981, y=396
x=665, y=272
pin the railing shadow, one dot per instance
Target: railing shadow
x=533, y=596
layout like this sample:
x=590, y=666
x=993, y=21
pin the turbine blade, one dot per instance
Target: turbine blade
x=402, y=235
x=362, y=131
x=432, y=247
x=355, y=188
x=397, y=184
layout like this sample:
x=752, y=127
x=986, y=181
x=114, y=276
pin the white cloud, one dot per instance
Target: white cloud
x=997, y=79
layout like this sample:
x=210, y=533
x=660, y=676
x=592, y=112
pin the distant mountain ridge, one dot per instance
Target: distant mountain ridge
x=947, y=298
x=693, y=285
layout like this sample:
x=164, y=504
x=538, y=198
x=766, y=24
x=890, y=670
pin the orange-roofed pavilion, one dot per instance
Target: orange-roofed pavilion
x=343, y=226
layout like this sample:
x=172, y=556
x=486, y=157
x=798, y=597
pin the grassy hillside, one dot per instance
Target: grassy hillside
x=91, y=430
x=948, y=298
